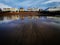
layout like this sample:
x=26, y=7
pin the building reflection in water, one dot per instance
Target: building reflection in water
x=16, y=17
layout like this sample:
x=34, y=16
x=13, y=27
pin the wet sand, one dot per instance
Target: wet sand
x=41, y=31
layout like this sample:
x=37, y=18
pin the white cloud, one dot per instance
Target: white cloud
x=30, y=3
x=9, y=1
x=51, y=1
x=4, y=6
x=25, y=3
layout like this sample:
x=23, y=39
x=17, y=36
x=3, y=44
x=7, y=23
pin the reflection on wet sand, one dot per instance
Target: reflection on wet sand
x=15, y=17
x=30, y=31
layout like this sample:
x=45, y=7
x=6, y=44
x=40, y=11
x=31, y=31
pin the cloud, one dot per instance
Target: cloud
x=30, y=3
x=51, y=1
x=4, y=6
x=8, y=1
x=24, y=3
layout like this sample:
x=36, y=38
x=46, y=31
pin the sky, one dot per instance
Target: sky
x=43, y=4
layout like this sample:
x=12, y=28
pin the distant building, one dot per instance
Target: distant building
x=29, y=9
x=10, y=9
x=21, y=9
x=33, y=9
x=54, y=9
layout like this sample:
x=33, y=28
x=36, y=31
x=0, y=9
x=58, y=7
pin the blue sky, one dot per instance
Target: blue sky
x=29, y=3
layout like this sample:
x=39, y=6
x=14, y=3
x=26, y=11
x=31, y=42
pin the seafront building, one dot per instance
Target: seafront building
x=29, y=9
x=21, y=9
x=10, y=9
x=33, y=9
